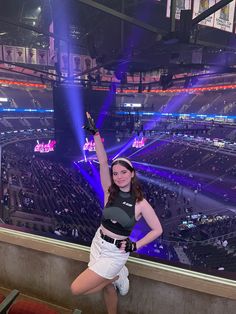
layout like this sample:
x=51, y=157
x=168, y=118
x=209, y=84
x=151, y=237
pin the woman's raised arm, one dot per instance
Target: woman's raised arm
x=101, y=155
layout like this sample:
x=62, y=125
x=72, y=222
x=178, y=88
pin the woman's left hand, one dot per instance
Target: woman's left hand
x=128, y=246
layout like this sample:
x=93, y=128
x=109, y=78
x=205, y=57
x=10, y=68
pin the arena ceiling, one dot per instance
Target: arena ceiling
x=130, y=34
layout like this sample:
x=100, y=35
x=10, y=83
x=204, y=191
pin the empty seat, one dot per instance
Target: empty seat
x=7, y=301
x=31, y=307
x=2, y=297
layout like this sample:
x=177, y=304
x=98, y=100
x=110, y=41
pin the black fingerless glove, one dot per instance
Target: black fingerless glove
x=130, y=246
x=91, y=127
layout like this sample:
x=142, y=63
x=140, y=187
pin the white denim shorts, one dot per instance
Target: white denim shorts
x=105, y=258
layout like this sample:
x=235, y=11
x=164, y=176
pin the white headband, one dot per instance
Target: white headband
x=123, y=159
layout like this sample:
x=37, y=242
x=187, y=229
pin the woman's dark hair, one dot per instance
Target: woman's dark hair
x=136, y=189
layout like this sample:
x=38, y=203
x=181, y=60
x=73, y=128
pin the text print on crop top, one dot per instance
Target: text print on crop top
x=119, y=216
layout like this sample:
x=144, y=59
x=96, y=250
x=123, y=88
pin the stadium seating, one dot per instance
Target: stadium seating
x=25, y=306
x=7, y=301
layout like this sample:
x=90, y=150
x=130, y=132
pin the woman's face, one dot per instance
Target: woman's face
x=122, y=177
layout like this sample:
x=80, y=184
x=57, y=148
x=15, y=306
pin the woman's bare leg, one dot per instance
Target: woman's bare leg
x=101, y=286
x=110, y=298
x=89, y=282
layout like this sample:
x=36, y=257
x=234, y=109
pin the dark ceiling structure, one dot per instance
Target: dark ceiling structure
x=123, y=35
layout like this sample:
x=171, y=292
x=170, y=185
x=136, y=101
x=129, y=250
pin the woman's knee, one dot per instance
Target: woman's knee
x=86, y=282
x=74, y=288
x=109, y=288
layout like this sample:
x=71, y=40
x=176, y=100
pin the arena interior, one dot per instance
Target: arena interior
x=168, y=103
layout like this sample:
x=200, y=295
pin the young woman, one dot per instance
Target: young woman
x=111, y=246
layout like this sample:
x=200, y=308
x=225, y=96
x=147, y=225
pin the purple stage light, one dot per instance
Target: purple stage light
x=148, y=147
x=115, y=148
x=180, y=171
x=172, y=105
x=124, y=148
x=176, y=102
x=73, y=99
x=142, y=13
x=167, y=175
x=99, y=189
x=93, y=183
x=134, y=38
x=105, y=108
x=76, y=110
x=184, y=181
x=213, y=189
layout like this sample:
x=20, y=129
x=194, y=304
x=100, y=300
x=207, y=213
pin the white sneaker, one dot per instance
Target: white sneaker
x=122, y=283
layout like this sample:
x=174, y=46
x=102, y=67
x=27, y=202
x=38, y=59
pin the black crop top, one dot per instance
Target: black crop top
x=119, y=216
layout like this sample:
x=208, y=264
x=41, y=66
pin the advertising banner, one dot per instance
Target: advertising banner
x=9, y=53
x=30, y=55
x=224, y=18
x=200, y=6
x=20, y=54
x=42, y=56
x=180, y=5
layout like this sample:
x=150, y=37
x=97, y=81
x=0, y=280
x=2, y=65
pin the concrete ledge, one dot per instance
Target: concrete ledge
x=142, y=268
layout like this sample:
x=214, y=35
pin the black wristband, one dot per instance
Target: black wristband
x=134, y=246
x=130, y=246
x=90, y=126
x=91, y=130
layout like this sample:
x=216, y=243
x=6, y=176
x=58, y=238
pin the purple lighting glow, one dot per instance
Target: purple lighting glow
x=167, y=175
x=99, y=189
x=76, y=111
x=105, y=108
x=148, y=147
x=95, y=184
x=124, y=148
